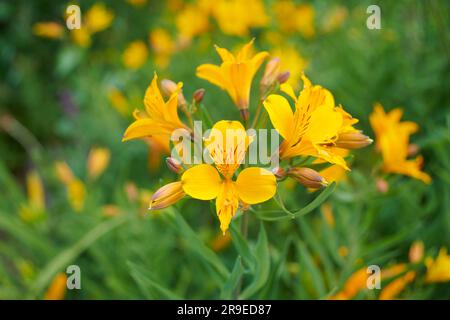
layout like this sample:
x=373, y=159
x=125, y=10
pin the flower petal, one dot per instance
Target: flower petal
x=201, y=182
x=280, y=114
x=255, y=185
x=144, y=128
x=213, y=74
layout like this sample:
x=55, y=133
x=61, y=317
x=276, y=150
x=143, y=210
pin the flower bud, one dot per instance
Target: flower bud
x=279, y=173
x=413, y=149
x=174, y=165
x=168, y=87
x=166, y=196
x=353, y=140
x=308, y=177
x=283, y=77
x=271, y=73
x=198, y=95
x=416, y=252
x=382, y=185
x=245, y=114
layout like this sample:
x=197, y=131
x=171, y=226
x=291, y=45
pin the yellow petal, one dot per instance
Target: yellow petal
x=201, y=182
x=213, y=74
x=224, y=54
x=255, y=185
x=280, y=114
x=226, y=204
x=287, y=88
x=145, y=128
x=97, y=162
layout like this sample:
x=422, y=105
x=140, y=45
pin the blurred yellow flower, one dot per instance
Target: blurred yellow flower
x=416, y=252
x=356, y=282
x=34, y=209
x=76, y=191
x=221, y=242
x=392, y=140
x=235, y=74
x=192, y=21
x=137, y=3
x=52, y=30
x=295, y=18
x=119, y=102
x=253, y=185
x=160, y=119
x=236, y=17
x=97, y=162
x=315, y=128
x=334, y=18
x=163, y=46
x=57, y=289
x=291, y=61
x=438, y=270
x=135, y=55
x=98, y=18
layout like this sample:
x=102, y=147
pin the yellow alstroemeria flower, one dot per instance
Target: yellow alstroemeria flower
x=235, y=74
x=253, y=185
x=192, y=21
x=438, y=270
x=135, y=55
x=160, y=119
x=163, y=46
x=52, y=30
x=295, y=18
x=316, y=127
x=392, y=140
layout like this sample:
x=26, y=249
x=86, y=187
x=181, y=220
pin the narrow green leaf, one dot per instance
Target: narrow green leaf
x=262, y=267
x=242, y=247
x=230, y=285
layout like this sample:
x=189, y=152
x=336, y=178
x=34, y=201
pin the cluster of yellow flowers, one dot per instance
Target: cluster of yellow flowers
x=316, y=128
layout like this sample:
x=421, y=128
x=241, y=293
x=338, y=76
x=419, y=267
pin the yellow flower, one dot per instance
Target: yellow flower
x=314, y=129
x=253, y=185
x=393, y=289
x=97, y=162
x=291, y=61
x=335, y=18
x=35, y=208
x=98, y=18
x=235, y=74
x=160, y=119
x=438, y=270
x=50, y=30
x=356, y=282
x=63, y=172
x=162, y=45
x=295, y=18
x=135, y=55
x=192, y=21
x=119, y=102
x=76, y=192
x=57, y=289
x=137, y=3
x=392, y=140
x=236, y=17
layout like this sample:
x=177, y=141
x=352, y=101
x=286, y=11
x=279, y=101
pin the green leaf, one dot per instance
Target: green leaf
x=195, y=243
x=242, y=247
x=310, y=269
x=262, y=267
x=150, y=286
x=285, y=214
x=231, y=284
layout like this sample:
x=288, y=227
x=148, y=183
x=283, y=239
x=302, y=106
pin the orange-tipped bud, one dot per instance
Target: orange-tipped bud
x=308, y=177
x=416, y=252
x=198, y=95
x=353, y=140
x=166, y=196
x=271, y=73
x=174, y=165
x=168, y=87
x=279, y=173
x=413, y=149
x=382, y=185
x=283, y=77
x=245, y=114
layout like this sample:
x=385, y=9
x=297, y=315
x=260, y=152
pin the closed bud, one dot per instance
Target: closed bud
x=174, y=165
x=279, y=173
x=166, y=196
x=353, y=140
x=245, y=114
x=168, y=87
x=382, y=185
x=308, y=177
x=416, y=252
x=198, y=95
x=283, y=77
x=271, y=73
x=413, y=149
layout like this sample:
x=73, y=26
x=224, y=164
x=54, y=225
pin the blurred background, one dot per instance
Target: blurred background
x=73, y=194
